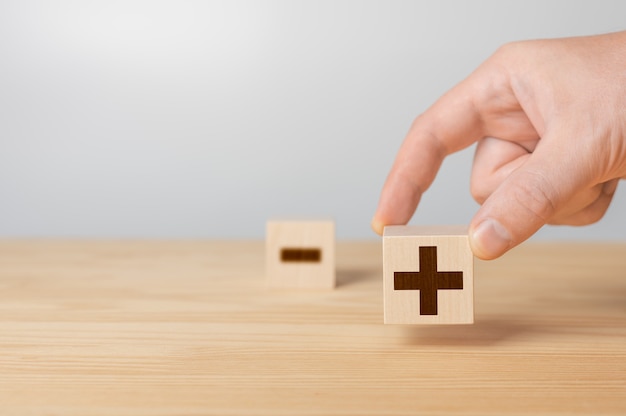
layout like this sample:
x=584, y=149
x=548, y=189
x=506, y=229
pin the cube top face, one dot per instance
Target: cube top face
x=428, y=275
x=424, y=230
x=300, y=254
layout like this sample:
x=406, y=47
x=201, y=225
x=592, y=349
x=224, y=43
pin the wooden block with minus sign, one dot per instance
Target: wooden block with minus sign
x=428, y=275
x=300, y=254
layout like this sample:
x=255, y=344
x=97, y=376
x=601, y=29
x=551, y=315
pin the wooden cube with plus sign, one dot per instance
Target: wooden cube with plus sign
x=428, y=275
x=300, y=254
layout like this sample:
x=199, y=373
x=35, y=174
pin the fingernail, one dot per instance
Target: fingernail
x=377, y=226
x=490, y=239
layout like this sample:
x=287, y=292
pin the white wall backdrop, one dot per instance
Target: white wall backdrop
x=194, y=119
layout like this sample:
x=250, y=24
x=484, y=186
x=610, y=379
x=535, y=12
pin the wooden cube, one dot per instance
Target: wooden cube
x=428, y=275
x=300, y=254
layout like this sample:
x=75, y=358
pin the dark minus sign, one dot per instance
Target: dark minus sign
x=310, y=255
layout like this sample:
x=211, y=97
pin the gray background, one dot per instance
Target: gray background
x=189, y=119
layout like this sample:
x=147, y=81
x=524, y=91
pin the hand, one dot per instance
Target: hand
x=549, y=117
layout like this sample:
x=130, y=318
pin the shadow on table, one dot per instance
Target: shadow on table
x=348, y=277
x=481, y=333
x=545, y=329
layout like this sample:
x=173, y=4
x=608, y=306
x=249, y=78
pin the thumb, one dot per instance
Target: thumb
x=526, y=201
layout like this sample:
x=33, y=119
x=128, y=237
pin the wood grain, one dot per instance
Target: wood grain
x=190, y=328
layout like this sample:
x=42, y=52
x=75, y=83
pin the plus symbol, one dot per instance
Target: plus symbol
x=428, y=280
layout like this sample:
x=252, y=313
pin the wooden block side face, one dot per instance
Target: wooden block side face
x=429, y=293
x=300, y=254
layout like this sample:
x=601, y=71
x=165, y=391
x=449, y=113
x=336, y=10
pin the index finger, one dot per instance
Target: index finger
x=450, y=125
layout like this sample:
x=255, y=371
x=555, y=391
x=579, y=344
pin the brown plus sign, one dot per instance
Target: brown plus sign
x=428, y=280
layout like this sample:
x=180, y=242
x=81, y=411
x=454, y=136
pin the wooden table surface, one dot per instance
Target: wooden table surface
x=189, y=328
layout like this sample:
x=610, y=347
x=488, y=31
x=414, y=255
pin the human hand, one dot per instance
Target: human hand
x=549, y=117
